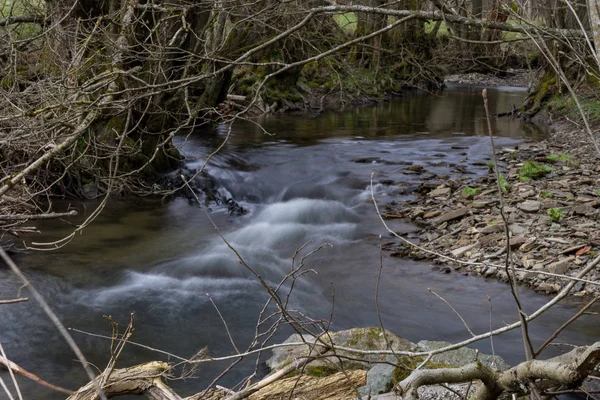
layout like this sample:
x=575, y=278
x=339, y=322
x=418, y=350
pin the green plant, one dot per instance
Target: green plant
x=504, y=185
x=556, y=214
x=598, y=192
x=565, y=158
x=470, y=192
x=491, y=165
x=553, y=157
x=531, y=170
x=547, y=195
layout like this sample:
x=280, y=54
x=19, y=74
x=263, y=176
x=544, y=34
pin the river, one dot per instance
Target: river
x=307, y=180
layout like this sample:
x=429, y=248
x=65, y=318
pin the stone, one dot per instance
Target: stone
x=441, y=191
x=548, y=287
x=432, y=214
x=379, y=379
x=529, y=244
x=538, y=267
x=529, y=206
x=561, y=267
x=415, y=168
x=358, y=338
x=462, y=250
x=585, y=209
x=484, y=204
x=526, y=194
x=517, y=229
x=494, y=228
x=493, y=239
x=90, y=191
x=517, y=242
x=452, y=215
x=461, y=357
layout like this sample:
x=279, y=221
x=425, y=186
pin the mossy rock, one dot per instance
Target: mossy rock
x=358, y=338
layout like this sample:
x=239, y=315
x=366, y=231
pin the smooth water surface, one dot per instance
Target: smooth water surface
x=308, y=180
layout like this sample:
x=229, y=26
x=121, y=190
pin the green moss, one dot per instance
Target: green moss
x=321, y=371
x=367, y=336
x=531, y=170
x=408, y=365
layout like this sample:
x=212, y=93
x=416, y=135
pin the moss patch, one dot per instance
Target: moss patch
x=408, y=365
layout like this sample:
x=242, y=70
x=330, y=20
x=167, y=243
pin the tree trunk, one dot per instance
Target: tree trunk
x=594, y=18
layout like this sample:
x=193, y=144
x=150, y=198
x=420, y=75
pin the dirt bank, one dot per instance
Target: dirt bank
x=552, y=204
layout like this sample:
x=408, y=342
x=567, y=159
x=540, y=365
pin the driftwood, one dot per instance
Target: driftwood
x=140, y=379
x=569, y=369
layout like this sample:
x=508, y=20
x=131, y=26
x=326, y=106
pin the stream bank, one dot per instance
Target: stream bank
x=552, y=204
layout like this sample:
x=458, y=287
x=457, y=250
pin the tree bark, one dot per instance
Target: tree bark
x=594, y=18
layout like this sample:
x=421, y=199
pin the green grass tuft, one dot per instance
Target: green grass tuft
x=531, y=170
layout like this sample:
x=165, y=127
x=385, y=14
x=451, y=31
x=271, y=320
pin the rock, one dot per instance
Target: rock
x=494, y=228
x=358, y=338
x=517, y=242
x=585, y=209
x=462, y=250
x=90, y=191
x=462, y=356
x=528, y=245
x=529, y=206
x=491, y=240
x=526, y=194
x=432, y=214
x=339, y=386
x=416, y=168
x=538, y=267
x=379, y=379
x=517, y=229
x=548, y=287
x=452, y=215
x=560, y=267
x=484, y=204
x=441, y=191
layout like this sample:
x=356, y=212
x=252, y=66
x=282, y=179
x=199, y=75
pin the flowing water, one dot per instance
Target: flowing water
x=308, y=181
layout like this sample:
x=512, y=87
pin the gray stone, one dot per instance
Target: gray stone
x=483, y=204
x=89, y=191
x=449, y=216
x=561, y=267
x=492, y=239
x=441, y=191
x=530, y=206
x=517, y=229
x=461, y=357
x=517, y=242
x=528, y=245
x=462, y=250
x=378, y=379
x=497, y=227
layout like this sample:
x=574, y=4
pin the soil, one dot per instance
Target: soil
x=552, y=208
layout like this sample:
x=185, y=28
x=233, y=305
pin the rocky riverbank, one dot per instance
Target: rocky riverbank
x=510, y=77
x=551, y=194
x=353, y=376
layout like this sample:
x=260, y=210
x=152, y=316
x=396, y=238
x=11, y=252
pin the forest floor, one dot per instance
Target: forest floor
x=552, y=206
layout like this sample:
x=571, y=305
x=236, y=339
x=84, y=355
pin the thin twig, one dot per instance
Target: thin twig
x=59, y=325
x=563, y=326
